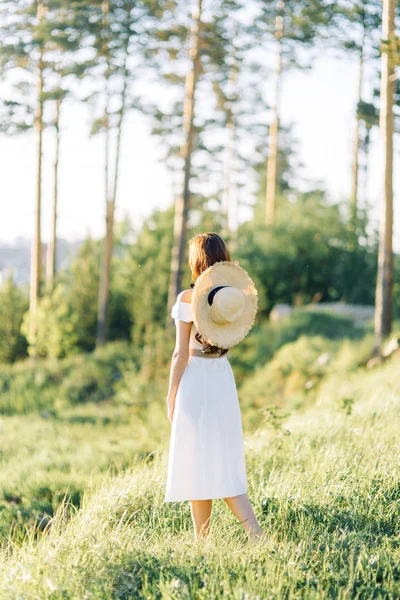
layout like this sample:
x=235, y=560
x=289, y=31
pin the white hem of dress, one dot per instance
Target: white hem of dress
x=229, y=495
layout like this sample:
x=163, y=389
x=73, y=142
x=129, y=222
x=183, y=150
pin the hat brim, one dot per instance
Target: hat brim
x=229, y=334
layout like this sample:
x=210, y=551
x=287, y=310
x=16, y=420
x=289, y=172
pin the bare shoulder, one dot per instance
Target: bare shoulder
x=185, y=296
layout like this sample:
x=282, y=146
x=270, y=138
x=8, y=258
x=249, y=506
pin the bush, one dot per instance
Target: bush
x=92, y=378
x=266, y=339
x=289, y=377
x=13, y=304
x=25, y=388
x=53, y=384
x=309, y=254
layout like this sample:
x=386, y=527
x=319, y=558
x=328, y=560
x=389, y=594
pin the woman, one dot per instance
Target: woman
x=206, y=455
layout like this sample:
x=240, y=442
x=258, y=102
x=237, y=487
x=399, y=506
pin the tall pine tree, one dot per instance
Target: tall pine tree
x=384, y=285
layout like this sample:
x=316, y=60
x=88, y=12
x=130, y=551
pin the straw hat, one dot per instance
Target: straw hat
x=224, y=304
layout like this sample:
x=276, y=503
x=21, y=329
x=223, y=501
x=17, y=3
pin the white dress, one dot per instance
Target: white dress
x=206, y=453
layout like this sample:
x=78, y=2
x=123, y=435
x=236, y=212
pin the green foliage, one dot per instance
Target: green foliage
x=129, y=374
x=144, y=275
x=302, y=24
x=327, y=501
x=268, y=337
x=309, y=255
x=357, y=26
x=82, y=283
x=54, y=335
x=293, y=377
x=92, y=378
x=51, y=385
x=52, y=457
x=13, y=304
x=290, y=376
x=396, y=286
x=26, y=388
x=67, y=317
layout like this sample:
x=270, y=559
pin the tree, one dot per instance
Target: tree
x=358, y=22
x=290, y=24
x=65, y=65
x=384, y=284
x=182, y=200
x=120, y=32
x=240, y=120
x=105, y=268
x=289, y=170
x=23, y=48
x=272, y=163
x=146, y=267
x=52, y=245
x=209, y=117
x=66, y=316
x=309, y=255
x=34, y=36
x=36, y=241
x=13, y=305
x=368, y=114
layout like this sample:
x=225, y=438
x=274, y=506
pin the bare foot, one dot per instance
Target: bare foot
x=202, y=541
x=257, y=537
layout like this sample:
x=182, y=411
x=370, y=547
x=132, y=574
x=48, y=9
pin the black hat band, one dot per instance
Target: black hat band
x=214, y=291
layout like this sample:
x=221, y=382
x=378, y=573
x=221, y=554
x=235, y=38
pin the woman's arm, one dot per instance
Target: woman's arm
x=180, y=358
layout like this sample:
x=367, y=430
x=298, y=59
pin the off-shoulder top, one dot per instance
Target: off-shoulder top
x=182, y=311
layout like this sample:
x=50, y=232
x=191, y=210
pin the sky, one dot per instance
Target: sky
x=319, y=102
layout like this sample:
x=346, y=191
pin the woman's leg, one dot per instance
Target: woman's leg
x=242, y=509
x=201, y=515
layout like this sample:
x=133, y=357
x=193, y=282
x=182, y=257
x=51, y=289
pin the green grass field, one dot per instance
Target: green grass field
x=82, y=512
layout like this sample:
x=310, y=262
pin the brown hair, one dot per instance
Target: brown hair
x=205, y=249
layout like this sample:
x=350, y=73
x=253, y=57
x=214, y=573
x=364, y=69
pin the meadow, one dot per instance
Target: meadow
x=195, y=120
x=83, y=475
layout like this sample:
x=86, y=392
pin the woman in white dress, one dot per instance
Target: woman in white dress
x=206, y=454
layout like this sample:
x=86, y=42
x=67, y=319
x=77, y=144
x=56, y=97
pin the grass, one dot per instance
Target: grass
x=65, y=423
x=46, y=458
x=324, y=482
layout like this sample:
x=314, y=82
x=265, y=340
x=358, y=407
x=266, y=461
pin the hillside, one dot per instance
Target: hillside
x=324, y=481
x=16, y=257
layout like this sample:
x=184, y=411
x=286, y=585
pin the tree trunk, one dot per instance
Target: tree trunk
x=231, y=190
x=52, y=247
x=105, y=265
x=272, y=162
x=230, y=166
x=383, y=301
x=227, y=195
x=36, y=253
x=367, y=144
x=183, y=200
x=356, y=147
x=105, y=272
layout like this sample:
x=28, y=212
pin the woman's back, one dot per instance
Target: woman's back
x=206, y=454
x=182, y=310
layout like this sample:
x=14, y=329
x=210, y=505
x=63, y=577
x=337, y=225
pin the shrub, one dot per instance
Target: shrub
x=54, y=383
x=266, y=338
x=13, y=304
x=289, y=377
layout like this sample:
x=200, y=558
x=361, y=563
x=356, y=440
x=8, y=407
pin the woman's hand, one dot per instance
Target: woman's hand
x=171, y=407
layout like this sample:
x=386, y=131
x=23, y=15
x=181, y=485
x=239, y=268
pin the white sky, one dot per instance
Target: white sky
x=320, y=103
